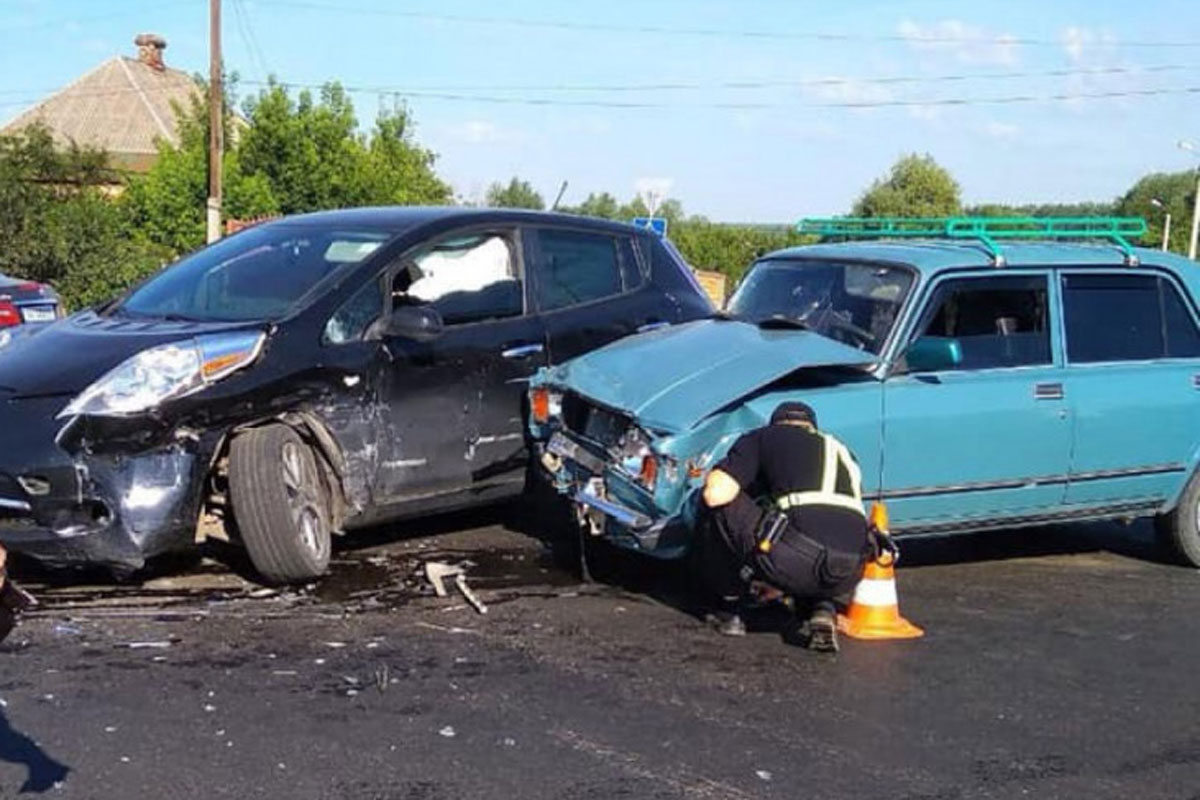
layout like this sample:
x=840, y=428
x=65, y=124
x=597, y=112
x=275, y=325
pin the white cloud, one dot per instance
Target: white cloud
x=475, y=131
x=969, y=44
x=1005, y=131
x=1086, y=44
x=847, y=91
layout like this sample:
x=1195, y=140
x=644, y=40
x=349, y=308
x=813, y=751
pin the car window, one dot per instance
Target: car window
x=351, y=321
x=853, y=303
x=631, y=268
x=261, y=273
x=467, y=278
x=1126, y=318
x=997, y=321
x=579, y=267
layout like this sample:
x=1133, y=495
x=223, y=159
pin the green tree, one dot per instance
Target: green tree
x=517, y=194
x=916, y=186
x=602, y=205
x=1177, y=192
x=58, y=223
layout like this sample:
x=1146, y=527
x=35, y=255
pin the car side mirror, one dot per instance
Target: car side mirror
x=933, y=354
x=418, y=323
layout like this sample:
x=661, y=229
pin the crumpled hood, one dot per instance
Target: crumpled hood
x=68, y=356
x=674, y=377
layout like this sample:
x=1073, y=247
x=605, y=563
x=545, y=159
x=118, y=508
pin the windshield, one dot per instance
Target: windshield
x=260, y=274
x=853, y=303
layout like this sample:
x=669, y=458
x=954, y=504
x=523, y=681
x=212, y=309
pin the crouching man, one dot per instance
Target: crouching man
x=811, y=543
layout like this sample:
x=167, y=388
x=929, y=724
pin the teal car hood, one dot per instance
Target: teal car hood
x=672, y=378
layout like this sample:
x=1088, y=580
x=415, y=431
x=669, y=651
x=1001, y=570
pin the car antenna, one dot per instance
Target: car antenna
x=561, y=191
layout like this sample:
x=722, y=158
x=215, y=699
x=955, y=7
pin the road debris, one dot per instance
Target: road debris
x=448, y=732
x=436, y=573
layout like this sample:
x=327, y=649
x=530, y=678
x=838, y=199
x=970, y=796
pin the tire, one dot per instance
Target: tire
x=280, y=504
x=1179, y=530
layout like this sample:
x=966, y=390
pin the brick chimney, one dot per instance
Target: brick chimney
x=150, y=48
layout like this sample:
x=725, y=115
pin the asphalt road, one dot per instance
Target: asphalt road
x=1057, y=663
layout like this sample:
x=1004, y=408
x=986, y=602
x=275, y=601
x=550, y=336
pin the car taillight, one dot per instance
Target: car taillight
x=9, y=315
x=539, y=404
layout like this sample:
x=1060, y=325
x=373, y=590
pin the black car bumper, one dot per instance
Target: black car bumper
x=107, y=500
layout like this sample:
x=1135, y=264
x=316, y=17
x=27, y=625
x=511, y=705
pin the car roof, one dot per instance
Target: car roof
x=930, y=256
x=401, y=218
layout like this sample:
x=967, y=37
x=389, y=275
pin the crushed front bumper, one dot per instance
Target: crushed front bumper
x=103, y=497
x=610, y=503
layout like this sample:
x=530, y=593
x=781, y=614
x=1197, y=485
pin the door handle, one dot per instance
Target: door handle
x=1048, y=391
x=652, y=326
x=522, y=351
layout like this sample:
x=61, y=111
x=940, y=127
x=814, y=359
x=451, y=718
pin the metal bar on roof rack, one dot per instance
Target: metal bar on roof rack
x=985, y=230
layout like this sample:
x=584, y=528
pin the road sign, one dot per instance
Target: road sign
x=656, y=224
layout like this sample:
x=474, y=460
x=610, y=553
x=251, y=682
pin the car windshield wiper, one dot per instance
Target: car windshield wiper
x=783, y=321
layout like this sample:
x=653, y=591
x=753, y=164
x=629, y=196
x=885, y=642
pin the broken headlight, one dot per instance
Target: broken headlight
x=544, y=404
x=638, y=460
x=166, y=372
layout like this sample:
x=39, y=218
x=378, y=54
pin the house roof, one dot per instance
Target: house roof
x=122, y=106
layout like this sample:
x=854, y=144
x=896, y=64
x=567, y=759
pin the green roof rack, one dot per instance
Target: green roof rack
x=988, y=231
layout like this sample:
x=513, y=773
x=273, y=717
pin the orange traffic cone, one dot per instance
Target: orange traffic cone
x=874, y=613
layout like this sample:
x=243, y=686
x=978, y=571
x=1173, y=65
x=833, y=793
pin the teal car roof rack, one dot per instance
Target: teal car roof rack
x=987, y=231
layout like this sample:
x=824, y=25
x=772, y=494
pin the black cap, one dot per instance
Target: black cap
x=794, y=411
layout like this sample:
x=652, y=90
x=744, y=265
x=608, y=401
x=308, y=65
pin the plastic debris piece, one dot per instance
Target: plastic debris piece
x=509, y=741
x=335, y=645
x=461, y=582
x=110, y=729
x=209, y=707
x=763, y=774
x=448, y=732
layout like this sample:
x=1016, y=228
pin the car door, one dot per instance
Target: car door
x=1133, y=370
x=591, y=288
x=453, y=404
x=979, y=431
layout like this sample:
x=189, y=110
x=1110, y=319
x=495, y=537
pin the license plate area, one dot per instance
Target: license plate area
x=38, y=314
x=560, y=445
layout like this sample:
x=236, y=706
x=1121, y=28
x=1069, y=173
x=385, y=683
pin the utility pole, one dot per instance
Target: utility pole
x=1195, y=219
x=216, y=124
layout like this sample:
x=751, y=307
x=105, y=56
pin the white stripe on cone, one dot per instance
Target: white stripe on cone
x=873, y=592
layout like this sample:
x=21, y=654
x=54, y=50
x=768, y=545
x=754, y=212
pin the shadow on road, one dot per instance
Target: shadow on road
x=17, y=748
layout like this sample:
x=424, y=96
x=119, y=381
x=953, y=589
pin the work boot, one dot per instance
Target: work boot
x=822, y=628
x=726, y=623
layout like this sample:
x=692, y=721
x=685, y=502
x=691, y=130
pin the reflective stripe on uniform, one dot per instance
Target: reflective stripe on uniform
x=836, y=454
x=797, y=499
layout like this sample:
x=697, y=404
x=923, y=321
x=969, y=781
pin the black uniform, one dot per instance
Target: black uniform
x=813, y=480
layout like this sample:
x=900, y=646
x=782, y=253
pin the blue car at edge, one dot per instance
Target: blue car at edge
x=1048, y=382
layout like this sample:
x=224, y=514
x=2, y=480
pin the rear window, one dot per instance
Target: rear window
x=1126, y=318
x=579, y=267
x=261, y=273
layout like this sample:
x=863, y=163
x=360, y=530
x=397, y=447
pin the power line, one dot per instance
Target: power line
x=828, y=36
x=851, y=104
x=745, y=84
x=246, y=30
x=398, y=91
x=798, y=83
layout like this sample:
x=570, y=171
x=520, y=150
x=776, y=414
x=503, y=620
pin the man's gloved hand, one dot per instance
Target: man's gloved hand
x=882, y=545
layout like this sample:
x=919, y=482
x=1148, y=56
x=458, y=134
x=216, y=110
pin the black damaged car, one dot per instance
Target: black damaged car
x=309, y=376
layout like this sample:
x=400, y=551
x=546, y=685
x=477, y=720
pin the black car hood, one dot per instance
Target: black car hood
x=66, y=357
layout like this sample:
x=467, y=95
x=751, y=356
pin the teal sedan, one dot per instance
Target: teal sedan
x=985, y=373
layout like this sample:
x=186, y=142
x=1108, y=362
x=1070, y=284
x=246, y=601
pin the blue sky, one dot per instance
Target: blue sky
x=789, y=155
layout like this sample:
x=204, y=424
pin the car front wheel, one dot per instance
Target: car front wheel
x=280, y=504
x=1180, y=529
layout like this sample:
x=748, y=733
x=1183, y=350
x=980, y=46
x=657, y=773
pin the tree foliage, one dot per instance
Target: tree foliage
x=1177, y=193
x=517, y=194
x=916, y=186
x=58, y=224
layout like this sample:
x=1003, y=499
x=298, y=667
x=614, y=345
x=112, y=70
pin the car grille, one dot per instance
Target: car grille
x=591, y=421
